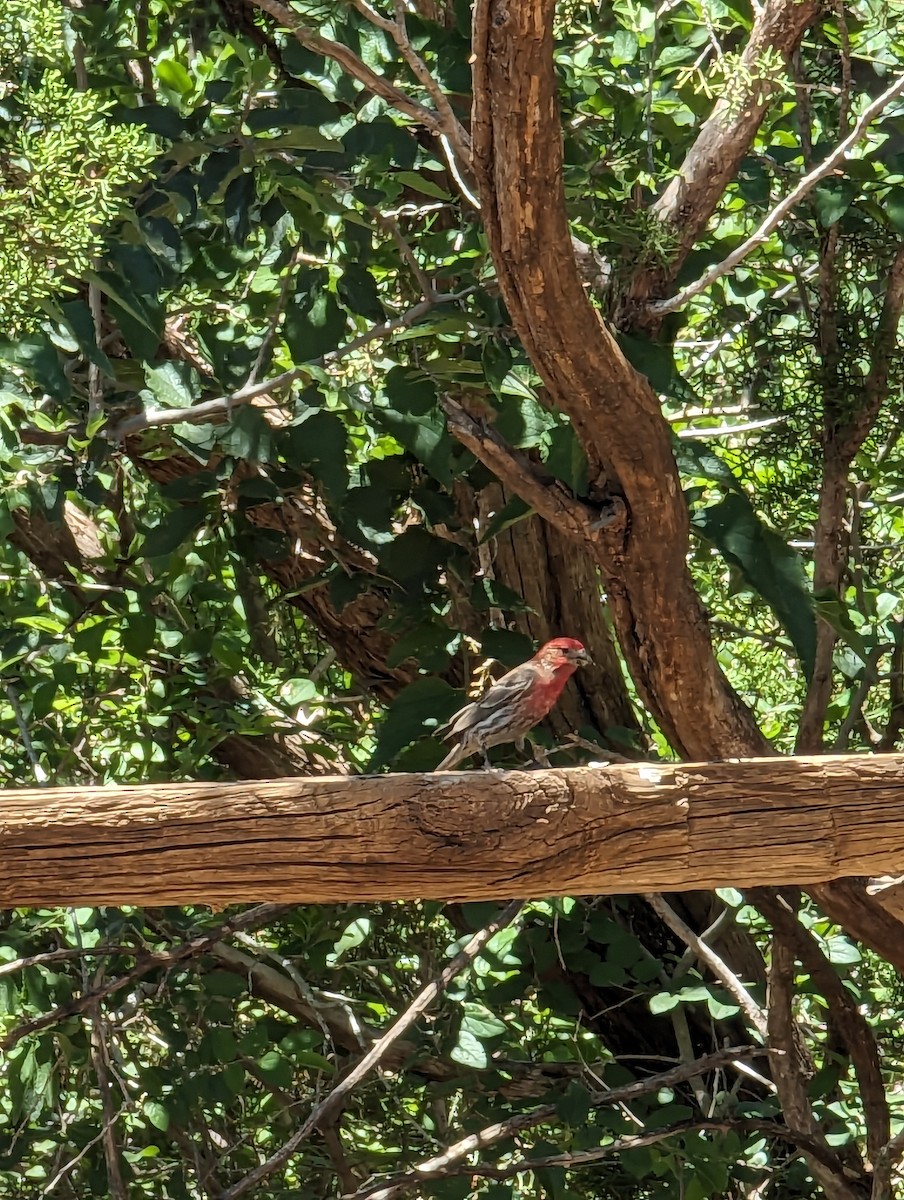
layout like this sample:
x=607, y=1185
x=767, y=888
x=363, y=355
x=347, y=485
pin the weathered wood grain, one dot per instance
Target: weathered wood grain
x=458, y=835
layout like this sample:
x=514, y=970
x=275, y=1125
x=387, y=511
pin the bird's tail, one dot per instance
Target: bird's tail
x=456, y=755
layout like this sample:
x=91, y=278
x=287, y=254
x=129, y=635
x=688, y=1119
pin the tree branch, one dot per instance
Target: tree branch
x=843, y=1013
x=551, y=499
x=845, y=430
x=191, y=948
x=378, y=85
x=807, y=1143
x=661, y=308
x=438, y=1166
x=617, y=418
x=398, y=31
x=332, y=1103
x=788, y=1075
x=724, y=138
x=706, y=954
x=221, y=406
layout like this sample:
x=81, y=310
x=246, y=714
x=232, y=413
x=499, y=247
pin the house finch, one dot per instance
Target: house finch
x=513, y=705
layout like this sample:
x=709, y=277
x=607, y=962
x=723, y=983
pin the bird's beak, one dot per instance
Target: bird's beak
x=583, y=659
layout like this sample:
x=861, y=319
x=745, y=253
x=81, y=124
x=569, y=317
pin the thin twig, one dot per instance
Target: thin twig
x=398, y=31
x=299, y=254
x=333, y=1102
x=209, y=410
x=727, y=430
x=391, y=225
x=706, y=954
x=352, y=64
x=844, y=52
x=27, y=745
x=661, y=308
x=50, y=956
x=156, y=960
x=101, y=1063
x=437, y=1166
x=73, y=1162
x=787, y=1071
x=844, y=1014
x=581, y=1158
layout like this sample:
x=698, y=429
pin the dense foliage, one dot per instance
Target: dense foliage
x=198, y=207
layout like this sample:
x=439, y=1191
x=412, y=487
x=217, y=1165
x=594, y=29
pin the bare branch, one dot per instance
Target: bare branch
x=845, y=433
x=191, y=948
x=439, y=1165
x=332, y=1103
x=51, y=956
x=350, y=62
x=551, y=499
x=662, y=308
x=101, y=1063
x=816, y=1152
x=842, y=1013
x=706, y=954
x=221, y=406
x=398, y=31
x=785, y=1059
x=88, y=1146
x=886, y=1160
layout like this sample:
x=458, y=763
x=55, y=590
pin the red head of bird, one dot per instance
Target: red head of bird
x=562, y=656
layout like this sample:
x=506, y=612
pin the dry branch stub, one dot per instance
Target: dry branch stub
x=463, y=835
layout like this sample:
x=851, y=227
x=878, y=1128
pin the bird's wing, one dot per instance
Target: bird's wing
x=504, y=692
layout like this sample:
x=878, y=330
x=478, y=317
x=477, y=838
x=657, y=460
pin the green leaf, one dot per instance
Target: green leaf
x=574, y=1106
x=358, y=291
x=469, y=1051
x=319, y=442
x=355, y=934
x=565, y=458
x=172, y=530
x=171, y=384
x=425, y=699
x=663, y=1002
x=419, y=183
x=513, y=512
x=157, y=1114
x=296, y=106
x=767, y=564
x=409, y=392
x=428, y=643
x=481, y=1022
x=173, y=75
x=833, y=198
x=840, y=950
x=497, y=362
x=308, y=1058
x=414, y=556
x=523, y=422
x=298, y=691
x=719, y=1010
x=314, y=322
x=835, y=613
x=894, y=208
x=653, y=359
x=138, y=633
x=425, y=436
x=507, y=646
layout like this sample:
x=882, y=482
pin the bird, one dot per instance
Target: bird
x=514, y=704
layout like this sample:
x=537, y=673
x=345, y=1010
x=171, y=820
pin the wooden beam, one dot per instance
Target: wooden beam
x=463, y=835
